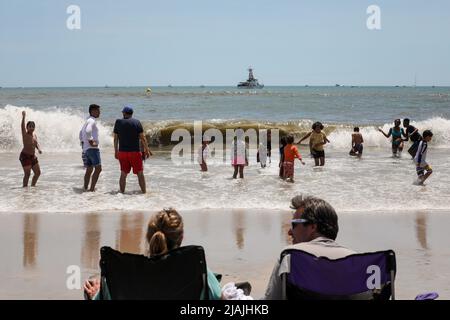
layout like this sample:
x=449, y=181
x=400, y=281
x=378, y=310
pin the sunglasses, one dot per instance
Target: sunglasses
x=295, y=222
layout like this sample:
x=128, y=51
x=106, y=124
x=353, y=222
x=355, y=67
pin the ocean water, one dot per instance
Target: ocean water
x=377, y=182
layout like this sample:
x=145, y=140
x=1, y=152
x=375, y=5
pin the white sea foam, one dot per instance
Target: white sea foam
x=376, y=183
x=57, y=129
x=341, y=137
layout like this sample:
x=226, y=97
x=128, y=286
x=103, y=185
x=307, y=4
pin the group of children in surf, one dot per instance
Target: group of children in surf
x=317, y=140
x=288, y=151
x=418, y=149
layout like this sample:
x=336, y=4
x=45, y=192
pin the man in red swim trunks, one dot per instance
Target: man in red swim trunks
x=128, y=133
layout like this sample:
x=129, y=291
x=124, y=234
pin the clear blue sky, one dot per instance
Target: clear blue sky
x=194, y=42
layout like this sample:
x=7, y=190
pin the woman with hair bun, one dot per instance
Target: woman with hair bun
x=165, y=232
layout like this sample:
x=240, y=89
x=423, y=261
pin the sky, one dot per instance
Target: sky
x=213, y=42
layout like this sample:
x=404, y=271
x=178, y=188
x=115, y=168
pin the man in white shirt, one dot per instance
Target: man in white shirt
x=90, y=142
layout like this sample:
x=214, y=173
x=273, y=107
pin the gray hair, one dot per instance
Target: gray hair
x=319, y=212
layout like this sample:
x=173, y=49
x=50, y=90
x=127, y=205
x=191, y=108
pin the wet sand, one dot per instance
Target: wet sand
x=37, y=248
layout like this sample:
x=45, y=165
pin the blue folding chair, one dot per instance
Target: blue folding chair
x=365, y=276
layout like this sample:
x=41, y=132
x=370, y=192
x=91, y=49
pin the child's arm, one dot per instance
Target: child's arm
x=304, y=138
x=24, y=129
x=386, y=135
x=298, y=155
x=38, y=146
x=353, y=140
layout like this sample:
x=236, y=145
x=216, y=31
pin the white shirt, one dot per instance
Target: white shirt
x=89, y=131
x=421, y=155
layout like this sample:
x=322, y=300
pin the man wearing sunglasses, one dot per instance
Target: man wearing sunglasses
x=314, y=228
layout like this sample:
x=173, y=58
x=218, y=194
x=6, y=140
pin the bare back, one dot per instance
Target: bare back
x=357, y=138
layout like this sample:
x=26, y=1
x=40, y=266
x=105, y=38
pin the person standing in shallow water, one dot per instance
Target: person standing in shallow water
x=91, y=152
x=397, y=134
x=357, y=143
x=203, y=153
x=412, y=133
x=28, y=157
x=127, y=134
x=317, y=140
x=239, y=155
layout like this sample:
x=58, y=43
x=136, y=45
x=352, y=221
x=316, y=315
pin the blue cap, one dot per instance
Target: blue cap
x=127, y=109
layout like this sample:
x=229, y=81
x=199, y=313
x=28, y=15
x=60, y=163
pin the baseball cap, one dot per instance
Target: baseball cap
x=127, y=109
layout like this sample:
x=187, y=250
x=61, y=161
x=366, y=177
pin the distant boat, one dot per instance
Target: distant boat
x=337, y=85
x=202, y=86
x=251, y=83
x=170, y=86
x=106, y=86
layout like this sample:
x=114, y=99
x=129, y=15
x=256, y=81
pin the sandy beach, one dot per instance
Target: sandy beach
x=36, y=249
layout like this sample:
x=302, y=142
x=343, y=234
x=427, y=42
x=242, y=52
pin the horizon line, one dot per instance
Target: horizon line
x=228, y=86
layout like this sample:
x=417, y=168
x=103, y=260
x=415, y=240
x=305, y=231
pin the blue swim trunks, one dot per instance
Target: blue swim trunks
x=92, y=158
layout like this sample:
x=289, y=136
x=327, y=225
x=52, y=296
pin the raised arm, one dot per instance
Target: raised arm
x=24, y=129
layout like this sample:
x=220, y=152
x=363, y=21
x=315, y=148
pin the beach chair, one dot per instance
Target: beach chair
x=179, y=275
x=365, y=276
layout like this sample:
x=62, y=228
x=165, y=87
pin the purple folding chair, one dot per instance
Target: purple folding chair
x=365, y=276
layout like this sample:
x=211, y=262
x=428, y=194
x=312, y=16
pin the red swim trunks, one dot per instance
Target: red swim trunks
x=28, y=160
x=130, y=160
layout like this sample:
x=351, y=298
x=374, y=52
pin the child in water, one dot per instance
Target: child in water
x=317, y=139
x=262, y=154
x=203, y=153
x=357, y=143
x=290, y=153
x=397, y=141
x=283, y=143
x=239, y=155
x=423, y=169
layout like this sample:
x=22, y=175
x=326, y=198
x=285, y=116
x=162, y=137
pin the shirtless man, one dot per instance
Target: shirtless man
x=357, y=143
x=27, y=157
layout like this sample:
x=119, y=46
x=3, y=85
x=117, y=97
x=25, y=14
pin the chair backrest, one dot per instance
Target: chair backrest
x=179, y=275
x=356, y=277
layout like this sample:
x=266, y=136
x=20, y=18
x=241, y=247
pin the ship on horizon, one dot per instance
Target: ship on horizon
x=251, y=83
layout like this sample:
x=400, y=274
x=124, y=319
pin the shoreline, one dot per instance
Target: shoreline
x=37, y=256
